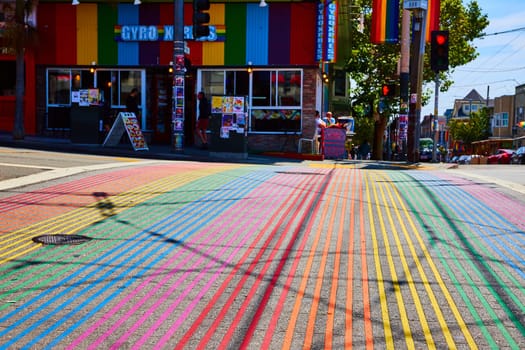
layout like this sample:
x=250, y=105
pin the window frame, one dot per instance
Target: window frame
x=275, y=107
x=118, y=96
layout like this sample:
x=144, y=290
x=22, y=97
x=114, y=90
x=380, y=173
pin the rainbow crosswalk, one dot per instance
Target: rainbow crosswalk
x=215, y=255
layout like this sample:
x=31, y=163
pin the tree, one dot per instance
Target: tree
x=475, y=128
x=20, y=35
x=369, y=65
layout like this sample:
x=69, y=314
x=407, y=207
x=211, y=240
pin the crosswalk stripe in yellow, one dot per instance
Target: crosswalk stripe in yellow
x=81, y=218
x=387, y=327
x=391, y=207
x=437, y=309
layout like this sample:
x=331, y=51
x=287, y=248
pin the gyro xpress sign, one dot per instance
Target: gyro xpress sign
x=161, y=33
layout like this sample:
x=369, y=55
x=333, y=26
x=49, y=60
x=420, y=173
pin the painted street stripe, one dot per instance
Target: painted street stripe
x=387, y=325
x=58, y=173
x=152, y=190
x=305, y=205
x=34, y=275
x=301, y=292
x=456, y=234
x=245, y=187
x=302, y=189
x=231, y=230
x=314, y=306
x=414, y=233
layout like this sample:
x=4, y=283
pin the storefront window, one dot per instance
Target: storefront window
x=276, y=101
x=7, y=78
x=128, y=79
x=289, y=88
x=261, y=88
x=275, y=95
x=340, y=83
x=59, y=87
x=237, y=83
x=112, y=84
x=213, y=83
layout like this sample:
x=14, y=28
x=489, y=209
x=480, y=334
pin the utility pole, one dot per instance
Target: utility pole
x=419, y=10
x=404, y=79
x=435, y=120
x=178, y=98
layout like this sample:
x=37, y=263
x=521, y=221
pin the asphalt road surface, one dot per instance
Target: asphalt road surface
x=133, y=254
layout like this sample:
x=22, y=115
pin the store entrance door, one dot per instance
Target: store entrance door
x=161, y=93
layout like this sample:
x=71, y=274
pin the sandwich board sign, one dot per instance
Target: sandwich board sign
x=126, y=122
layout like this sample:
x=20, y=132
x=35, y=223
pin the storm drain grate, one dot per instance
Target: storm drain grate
x=61, y=239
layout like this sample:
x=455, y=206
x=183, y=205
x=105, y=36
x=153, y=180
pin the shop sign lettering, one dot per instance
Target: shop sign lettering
x=158, y=33
x=320, y=28
x=326, y=31
x=331, y=23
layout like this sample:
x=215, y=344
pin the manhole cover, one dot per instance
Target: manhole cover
x=60, y=239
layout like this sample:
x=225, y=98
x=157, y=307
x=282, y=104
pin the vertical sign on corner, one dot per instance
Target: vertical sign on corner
x=319, y=46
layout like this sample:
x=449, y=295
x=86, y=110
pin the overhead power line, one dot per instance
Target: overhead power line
x=491, y=70
x=506, y=31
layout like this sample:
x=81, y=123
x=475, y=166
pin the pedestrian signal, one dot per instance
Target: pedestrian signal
x=439, y=50
x=201, y=18
x=388, y=90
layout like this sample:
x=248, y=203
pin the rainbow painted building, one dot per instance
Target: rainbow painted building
x=270, y=54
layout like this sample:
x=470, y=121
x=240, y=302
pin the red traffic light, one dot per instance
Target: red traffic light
x=441, y=39
x=439, y=50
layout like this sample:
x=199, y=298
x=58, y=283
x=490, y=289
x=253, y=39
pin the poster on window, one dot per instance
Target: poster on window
x=240, y=119
x=227, y=120
x=232, y=113
x=216, y=104
x=83, y=97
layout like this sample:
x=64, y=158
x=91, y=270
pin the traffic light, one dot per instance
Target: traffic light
x=388, y=90
x=201, y=18
x=439, y=50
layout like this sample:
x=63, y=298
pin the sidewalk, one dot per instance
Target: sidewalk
x=122, y=150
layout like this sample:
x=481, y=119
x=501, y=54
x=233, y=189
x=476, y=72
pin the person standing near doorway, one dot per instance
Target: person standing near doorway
x=132, y=104
x=203, y=119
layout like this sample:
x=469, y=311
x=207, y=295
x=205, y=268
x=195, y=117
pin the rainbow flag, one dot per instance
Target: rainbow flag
x=433, y=13
x=385, y=22
x=521, y=125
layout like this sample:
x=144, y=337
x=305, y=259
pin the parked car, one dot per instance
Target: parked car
x=425, y=155
x=502, y=156
x=454, y=159
x=518, y=157
x=464, y=159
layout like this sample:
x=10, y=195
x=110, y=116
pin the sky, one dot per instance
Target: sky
x=500, y=66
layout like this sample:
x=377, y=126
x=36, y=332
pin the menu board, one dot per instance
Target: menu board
x=334, y=143
x=126, y=122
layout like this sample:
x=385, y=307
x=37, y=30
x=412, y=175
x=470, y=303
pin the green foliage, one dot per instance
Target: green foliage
x=369, y=65
x=475, y=128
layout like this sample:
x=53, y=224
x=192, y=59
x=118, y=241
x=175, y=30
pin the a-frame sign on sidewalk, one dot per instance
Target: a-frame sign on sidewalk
x=126, y=122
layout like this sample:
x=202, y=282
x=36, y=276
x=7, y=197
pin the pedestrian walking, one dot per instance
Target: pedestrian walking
x=203, y=118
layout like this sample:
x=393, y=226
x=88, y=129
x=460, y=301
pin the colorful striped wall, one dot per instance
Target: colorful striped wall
x=280, y=34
